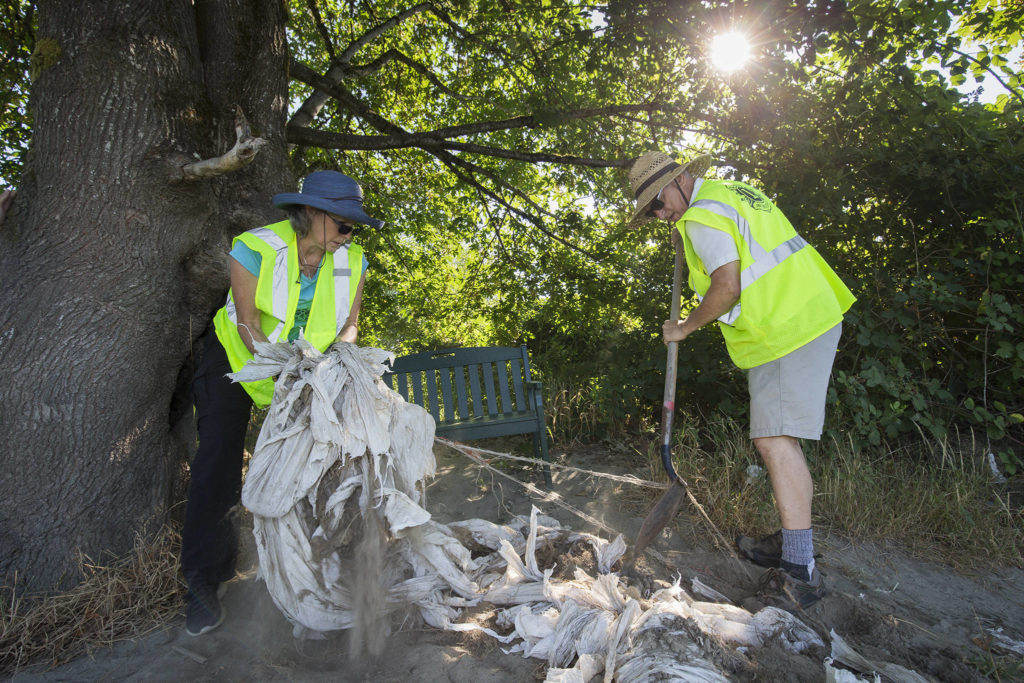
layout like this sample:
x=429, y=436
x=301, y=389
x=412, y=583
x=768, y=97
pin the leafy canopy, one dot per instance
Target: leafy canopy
x=494, y=136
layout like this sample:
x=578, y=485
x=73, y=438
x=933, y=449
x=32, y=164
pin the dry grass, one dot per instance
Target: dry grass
x=125, y=599
x=571, y=415
x=936, y=502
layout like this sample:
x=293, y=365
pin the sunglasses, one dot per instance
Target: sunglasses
x=344, y=228
x=656, y=204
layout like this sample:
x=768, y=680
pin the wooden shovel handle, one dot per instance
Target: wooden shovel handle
x=668, y=405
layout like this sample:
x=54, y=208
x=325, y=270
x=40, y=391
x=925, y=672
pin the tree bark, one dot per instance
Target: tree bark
x=110, y=268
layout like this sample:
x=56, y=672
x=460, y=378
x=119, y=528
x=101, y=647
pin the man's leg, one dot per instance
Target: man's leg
x=787, y=403
x=791, y=480
x=794, y=490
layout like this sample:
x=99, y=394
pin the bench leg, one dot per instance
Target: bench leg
x=540, y=447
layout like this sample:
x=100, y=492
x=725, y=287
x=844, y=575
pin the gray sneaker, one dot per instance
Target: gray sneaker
x=766, y=551
x=781, y=589
x=204, y=611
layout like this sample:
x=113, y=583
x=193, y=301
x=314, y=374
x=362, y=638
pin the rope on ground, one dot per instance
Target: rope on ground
x=473, y=454
x=547, y=496
x=625, y=478
x=718, y=534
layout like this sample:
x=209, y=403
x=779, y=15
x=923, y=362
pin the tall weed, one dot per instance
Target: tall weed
x=935, y=499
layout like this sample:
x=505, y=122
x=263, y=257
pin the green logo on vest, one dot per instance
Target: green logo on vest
x=751, y=196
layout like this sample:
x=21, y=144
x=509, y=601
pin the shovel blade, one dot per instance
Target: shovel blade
x=663, y=511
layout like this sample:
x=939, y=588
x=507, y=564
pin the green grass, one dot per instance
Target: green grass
x=934, y=499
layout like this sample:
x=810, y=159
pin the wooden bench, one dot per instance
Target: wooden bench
x=475, y=393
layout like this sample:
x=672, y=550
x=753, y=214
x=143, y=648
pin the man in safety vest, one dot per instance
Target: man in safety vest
x=780, y=308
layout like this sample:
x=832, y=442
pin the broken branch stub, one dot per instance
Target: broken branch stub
x=245, y=150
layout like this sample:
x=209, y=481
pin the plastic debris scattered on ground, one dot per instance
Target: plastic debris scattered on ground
x=336, y=488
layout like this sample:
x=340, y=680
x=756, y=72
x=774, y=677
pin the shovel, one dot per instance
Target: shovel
x=667, y=506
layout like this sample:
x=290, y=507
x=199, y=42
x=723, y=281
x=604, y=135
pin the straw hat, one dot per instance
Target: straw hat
x=653, y=171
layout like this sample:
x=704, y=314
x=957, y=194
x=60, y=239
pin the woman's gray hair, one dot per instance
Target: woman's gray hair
x=299, y=218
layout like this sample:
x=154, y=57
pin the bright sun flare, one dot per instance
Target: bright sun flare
x=730, y=51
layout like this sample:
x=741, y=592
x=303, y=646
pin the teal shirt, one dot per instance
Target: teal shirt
x=252, y=260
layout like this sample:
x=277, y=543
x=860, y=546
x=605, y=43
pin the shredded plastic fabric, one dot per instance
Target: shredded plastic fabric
x=342, y=459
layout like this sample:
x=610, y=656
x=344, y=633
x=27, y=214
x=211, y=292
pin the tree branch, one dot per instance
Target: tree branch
x=321, y=28
x=376, y=31
x=990, y=71
x=245, y=150
x=308, y=137
x=396, y=55
x=535, y=157
x=327, y=89
x=341, y=68
x=438, y=138
x=451, y=161
x=303, y=73
x=397, y=137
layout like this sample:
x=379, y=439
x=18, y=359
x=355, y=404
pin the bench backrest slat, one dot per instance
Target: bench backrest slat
x=506, y=399
x=417, y=388
x=474, y=386
x=432, y=394
x=460, y=392
x=492, y=400
x=517, y=385
x=446, y=394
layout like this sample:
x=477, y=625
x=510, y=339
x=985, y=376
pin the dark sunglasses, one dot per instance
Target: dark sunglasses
x=343, y=227
x=656, y=205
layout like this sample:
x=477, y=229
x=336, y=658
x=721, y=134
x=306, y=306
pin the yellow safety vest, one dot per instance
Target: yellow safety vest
x=277, y=298
x=788, y=294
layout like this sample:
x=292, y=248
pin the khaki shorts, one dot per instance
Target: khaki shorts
x=787, y=395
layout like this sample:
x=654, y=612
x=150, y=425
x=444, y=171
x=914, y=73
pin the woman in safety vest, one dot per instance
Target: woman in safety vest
x=780, y=308
x=300, y=275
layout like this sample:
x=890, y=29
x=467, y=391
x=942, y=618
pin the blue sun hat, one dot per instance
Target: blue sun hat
x=332, y=192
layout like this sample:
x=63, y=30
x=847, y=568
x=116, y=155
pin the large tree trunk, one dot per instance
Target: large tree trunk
x=111, y=264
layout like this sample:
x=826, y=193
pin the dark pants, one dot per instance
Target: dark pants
x=209, y=541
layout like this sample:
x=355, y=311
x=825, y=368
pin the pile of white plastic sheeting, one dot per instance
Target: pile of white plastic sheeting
x=597, y=623
x=337, y=447
x=341, y=455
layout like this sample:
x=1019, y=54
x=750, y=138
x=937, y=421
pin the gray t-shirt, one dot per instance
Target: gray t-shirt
x=714, y=247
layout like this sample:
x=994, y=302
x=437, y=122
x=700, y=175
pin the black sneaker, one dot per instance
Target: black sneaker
x=781, y=589
x=766, y=551
x=205, y=612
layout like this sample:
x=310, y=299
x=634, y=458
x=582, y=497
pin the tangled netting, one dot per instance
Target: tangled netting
x=336, y=488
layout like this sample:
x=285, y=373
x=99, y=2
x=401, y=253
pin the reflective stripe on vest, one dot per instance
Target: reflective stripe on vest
x=280, y=300
x=342, y=285
x=764, y=260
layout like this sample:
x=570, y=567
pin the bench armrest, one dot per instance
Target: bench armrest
x=535, y=392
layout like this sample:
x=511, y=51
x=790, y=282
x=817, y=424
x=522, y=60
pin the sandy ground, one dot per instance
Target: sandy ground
x=889, y=607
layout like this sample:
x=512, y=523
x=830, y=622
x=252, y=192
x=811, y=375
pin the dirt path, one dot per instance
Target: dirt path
x=889, y=607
